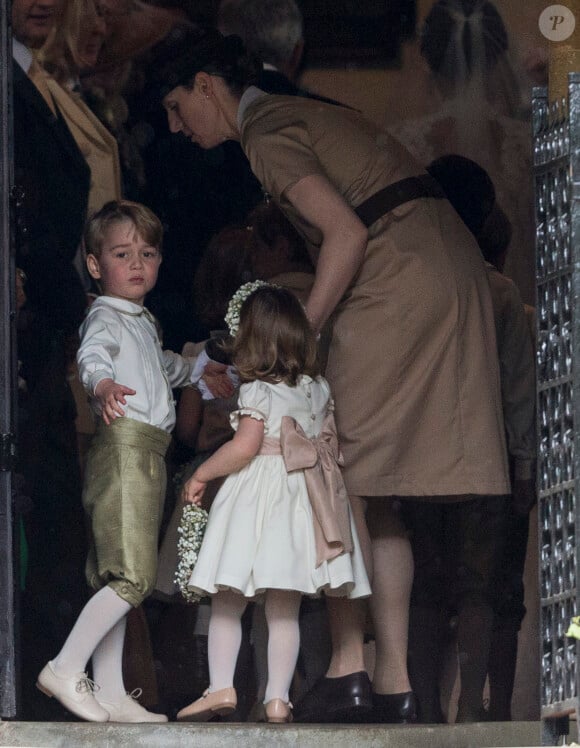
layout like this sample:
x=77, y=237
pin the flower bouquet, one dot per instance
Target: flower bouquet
x=190, y=531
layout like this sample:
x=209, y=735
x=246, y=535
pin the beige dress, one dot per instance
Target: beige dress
x=412, y=362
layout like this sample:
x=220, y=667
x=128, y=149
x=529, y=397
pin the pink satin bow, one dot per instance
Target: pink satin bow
x=320, y=459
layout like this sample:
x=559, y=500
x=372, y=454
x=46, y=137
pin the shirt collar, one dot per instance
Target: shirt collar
x=122, y=305
x=248, y=97
x=21, y=54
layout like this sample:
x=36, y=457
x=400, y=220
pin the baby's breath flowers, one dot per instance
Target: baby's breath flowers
x=191, y=530
x=232, y=318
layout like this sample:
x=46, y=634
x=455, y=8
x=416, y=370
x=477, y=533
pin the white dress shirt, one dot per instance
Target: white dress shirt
x=119, y=341
x=21, y=54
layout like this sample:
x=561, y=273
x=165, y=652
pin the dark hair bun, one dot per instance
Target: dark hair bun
x=240, y=66
x=482, y=40
x=188, y=50
x=234, y=47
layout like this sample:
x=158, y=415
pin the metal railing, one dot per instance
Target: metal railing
x=556, y=137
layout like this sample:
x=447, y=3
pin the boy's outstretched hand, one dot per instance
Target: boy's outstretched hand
x=109, y=394
x=216, y=378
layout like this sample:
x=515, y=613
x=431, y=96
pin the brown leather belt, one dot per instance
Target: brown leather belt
x=396, y=194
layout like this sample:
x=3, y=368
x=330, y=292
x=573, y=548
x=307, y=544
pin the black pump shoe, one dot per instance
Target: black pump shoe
x=344, y=699
x=395, y=708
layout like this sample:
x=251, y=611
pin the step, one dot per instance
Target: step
x=238, y=735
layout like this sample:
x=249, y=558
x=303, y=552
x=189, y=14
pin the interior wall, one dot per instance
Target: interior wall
x=390, y=94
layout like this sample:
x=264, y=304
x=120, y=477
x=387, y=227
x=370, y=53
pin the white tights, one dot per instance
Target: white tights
x=225, y=635
x=99, y=632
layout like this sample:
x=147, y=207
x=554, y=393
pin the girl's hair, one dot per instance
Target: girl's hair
x=275, y=341
x=460, y=36
x=146, y=224
x=187, y=51
x=223, y=268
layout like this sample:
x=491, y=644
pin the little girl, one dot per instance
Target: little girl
x=280, y=526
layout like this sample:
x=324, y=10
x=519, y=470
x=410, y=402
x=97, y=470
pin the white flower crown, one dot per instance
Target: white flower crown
x=232, y=318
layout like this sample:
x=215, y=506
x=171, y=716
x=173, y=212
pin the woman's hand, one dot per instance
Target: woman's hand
x=193, y=491
x=109, y=394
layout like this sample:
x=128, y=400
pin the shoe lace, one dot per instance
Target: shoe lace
x=86, y=685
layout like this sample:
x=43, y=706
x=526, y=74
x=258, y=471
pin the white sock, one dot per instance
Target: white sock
x=224, y=638
x=108, y=664
x=282, y=609
x=96, y=619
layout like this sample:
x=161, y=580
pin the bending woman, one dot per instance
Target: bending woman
x=412, y=358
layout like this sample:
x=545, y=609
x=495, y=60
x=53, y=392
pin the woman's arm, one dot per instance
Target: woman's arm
x=229, y=458
x=343, y=244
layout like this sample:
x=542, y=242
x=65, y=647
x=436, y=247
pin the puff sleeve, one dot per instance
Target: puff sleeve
x=255, y=400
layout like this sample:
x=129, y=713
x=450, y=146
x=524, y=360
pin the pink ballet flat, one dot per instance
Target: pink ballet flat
x=278, y=711
x=209, y=705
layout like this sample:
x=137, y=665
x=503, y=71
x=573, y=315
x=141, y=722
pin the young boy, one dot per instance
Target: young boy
x=125, y=474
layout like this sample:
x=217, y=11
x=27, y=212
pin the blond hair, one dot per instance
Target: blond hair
x=146, y=224
x=61, y=54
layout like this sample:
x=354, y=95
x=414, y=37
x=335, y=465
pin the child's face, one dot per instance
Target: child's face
x=128, y=266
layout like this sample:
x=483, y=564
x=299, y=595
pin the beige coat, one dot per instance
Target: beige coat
x=96, y=144
x=413, y=362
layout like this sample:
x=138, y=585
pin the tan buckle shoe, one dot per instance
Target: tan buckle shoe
x=75, y=693
x=278, y=711
x=210, y=705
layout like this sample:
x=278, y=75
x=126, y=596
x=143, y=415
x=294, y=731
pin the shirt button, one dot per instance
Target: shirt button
x=313, y=417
